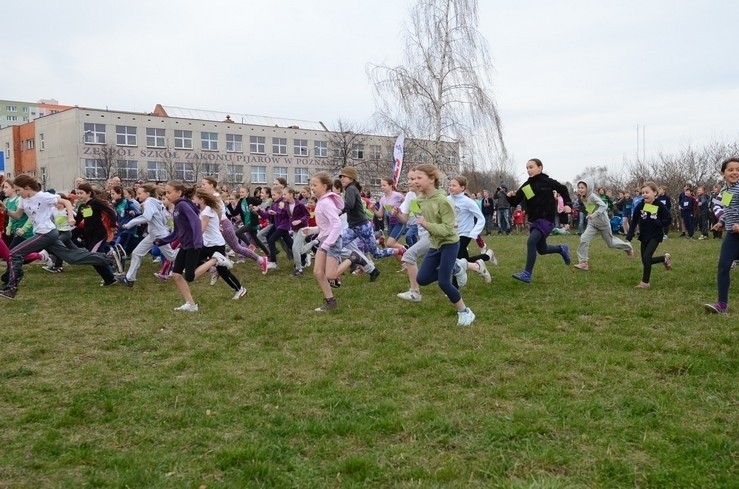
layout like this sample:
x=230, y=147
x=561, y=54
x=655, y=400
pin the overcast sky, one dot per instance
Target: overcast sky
x=572, y=78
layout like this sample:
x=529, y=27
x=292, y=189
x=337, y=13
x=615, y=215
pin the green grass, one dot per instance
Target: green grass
x=577, y=380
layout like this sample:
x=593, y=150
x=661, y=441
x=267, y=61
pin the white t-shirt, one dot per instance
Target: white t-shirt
x=40, y=210
x=212, y=233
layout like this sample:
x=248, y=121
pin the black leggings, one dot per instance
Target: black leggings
x=249, y=236
x=647, y=250
x=464, y=241
x=228, y=277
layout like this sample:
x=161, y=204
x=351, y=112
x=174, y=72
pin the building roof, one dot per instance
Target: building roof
x=258, y=120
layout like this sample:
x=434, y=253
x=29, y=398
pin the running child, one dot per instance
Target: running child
x=328, y=227
x=598, y=223
x=437, y=217
x=729, y=221
x=650, y=218
x=541, y=208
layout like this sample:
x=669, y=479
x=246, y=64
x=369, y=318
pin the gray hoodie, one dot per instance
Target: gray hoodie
x=597, y=209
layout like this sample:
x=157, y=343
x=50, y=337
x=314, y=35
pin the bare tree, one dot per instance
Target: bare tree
x=106, y=162
x=441, y=91
x=346, y=147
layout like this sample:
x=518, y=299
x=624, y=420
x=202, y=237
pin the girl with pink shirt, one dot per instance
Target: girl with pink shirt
x=328, y=227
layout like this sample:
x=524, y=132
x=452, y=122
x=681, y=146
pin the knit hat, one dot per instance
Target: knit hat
x=349, y=172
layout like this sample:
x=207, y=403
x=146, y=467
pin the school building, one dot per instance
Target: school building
x=173, y=143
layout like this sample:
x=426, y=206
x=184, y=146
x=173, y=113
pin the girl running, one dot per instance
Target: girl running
x=541, y=208
x=328, y=227
x=437, y=217
x=729, y=199
x=155, y=218
x=470, y=223
x=650, y=218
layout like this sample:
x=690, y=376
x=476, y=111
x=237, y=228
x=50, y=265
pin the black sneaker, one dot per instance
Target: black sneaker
x=374, y=274
x=124, y=281
x=8, y=293
x=297, y=273
x=328, y=305
x=108, y=284
x=335, y=283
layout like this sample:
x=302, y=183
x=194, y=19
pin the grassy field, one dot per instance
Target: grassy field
x=577, y=380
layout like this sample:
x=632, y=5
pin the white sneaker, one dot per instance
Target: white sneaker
x=46, y=259
x=461, y=275
x=239, y=294
x=483, y=271
x=213, y=275
x=187, y=307
x=410, y=295
x=222, y=260
x=493, y=258
x=465, y=318
x=308, y=260
x=271, y=265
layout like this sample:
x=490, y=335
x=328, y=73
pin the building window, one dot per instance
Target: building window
x=154, y=137
x=209, y=141
x=258, y=174
x=25, y=110
x=156, y=171
x=94, y=133
x=358, y=151
x=128, y=169
x=42, y=143
x=375, y=182
x=184, y=172
x=321, y=149
x=94, y=170
x=11, y=118
x=279, y=146
x=279, y=172
x=210, y=169
x=422, y=157
x=234, y=143
x=235, y=173
x=256, y=144
x=375, y=152
x=11, y=108
x=30, y=143
x=301, y=176
x=182, y=139
x=7, y=151
x=125, y=135
x=300, y=147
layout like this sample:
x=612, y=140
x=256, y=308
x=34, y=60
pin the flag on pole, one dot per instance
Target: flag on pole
x=398, y=158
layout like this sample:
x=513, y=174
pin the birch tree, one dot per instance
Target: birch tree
x=442, y=90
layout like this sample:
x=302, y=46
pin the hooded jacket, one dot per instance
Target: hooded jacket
x=155, y=216
x=328, y=208
x=440, y=218
x=187, y=227
x=354, y=206
x=598, y=215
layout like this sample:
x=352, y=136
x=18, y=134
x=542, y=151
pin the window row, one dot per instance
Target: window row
x=156, y=138
x=189, y=172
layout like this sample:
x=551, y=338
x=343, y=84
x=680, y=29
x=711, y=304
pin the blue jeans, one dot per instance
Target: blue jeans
x=729, y=253
x=411, y=236
x=504, y=220
x=438, y=266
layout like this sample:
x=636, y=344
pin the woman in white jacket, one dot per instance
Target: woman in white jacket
x=598, y=223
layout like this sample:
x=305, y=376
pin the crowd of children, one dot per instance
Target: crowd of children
x=333, y=226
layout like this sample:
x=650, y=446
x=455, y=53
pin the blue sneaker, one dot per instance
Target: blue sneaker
x=524, y=276
x=564, y=250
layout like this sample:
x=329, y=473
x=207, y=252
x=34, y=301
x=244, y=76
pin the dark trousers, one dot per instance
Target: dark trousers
x=729, y=253
x=647, y=251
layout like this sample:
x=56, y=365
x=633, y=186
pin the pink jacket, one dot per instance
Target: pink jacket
x=328, y=209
